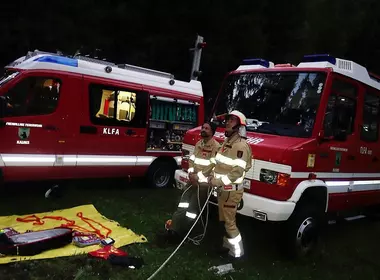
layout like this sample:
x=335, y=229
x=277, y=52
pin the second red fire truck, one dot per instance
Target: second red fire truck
x=314, y=134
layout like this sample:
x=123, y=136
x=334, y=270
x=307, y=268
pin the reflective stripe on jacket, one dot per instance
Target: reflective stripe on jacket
x=232, y=161
x=200, y=162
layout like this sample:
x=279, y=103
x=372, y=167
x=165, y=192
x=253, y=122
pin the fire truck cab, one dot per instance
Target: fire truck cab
x=74, y=117
x=314, y=134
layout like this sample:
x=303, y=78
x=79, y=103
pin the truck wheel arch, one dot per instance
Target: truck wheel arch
x=309, y=188
x=169, y=163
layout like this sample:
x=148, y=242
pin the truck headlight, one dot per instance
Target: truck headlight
x=274, y=177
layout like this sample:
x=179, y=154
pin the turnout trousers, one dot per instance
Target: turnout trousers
x=189, y=207
x=228, y=202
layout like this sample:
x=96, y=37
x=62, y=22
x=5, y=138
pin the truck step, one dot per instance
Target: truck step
x=346, y=219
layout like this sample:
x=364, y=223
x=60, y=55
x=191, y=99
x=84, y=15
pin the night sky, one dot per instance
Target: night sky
x=158, y=34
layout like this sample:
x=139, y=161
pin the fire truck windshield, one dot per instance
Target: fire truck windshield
x=281, y=103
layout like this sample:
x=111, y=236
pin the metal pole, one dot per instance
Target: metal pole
x=196, y=57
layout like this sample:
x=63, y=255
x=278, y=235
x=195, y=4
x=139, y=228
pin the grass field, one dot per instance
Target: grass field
x=347, y=251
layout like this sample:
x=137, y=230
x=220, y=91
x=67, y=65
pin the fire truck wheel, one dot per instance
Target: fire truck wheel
x=302, y=231
x=161, y=174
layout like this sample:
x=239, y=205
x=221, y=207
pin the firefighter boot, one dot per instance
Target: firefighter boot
x=167, y=237
x=234, y=246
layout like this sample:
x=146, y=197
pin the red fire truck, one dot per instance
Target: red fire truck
x=73, y=117
x=314, y=133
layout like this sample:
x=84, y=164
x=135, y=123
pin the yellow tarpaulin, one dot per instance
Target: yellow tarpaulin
x=122, y=236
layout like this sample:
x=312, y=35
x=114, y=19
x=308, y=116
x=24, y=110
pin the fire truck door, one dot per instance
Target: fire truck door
x=366, y=188
x=368, y=148
x=337, y=158
x=112, y=129
x=31, y=125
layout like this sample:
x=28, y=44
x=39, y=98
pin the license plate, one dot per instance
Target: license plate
x=246, y=184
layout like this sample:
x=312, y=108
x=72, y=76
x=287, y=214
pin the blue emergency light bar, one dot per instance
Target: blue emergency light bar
x=59, y=60
x=256, y=61
x=319, y=58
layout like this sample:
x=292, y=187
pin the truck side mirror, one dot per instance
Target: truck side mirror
x=3, y=106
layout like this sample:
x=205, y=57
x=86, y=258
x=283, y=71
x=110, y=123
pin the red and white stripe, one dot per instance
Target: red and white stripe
x=335, y=182
x=37, y=160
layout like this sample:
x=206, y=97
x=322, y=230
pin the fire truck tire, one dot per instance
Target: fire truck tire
x=302, y=231
x=161, y=174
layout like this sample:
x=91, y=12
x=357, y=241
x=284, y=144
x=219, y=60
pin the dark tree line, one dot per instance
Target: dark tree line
x=158, y=34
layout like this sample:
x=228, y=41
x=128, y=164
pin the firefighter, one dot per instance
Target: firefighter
x=200, y=167
x=232, y=162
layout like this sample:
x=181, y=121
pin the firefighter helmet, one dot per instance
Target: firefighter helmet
x=240, y=116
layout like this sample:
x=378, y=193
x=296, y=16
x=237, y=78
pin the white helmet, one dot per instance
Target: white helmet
x=242, y=122
x=240, y=116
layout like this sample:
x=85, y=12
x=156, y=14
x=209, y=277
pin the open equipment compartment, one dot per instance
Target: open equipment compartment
x=169, y=120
